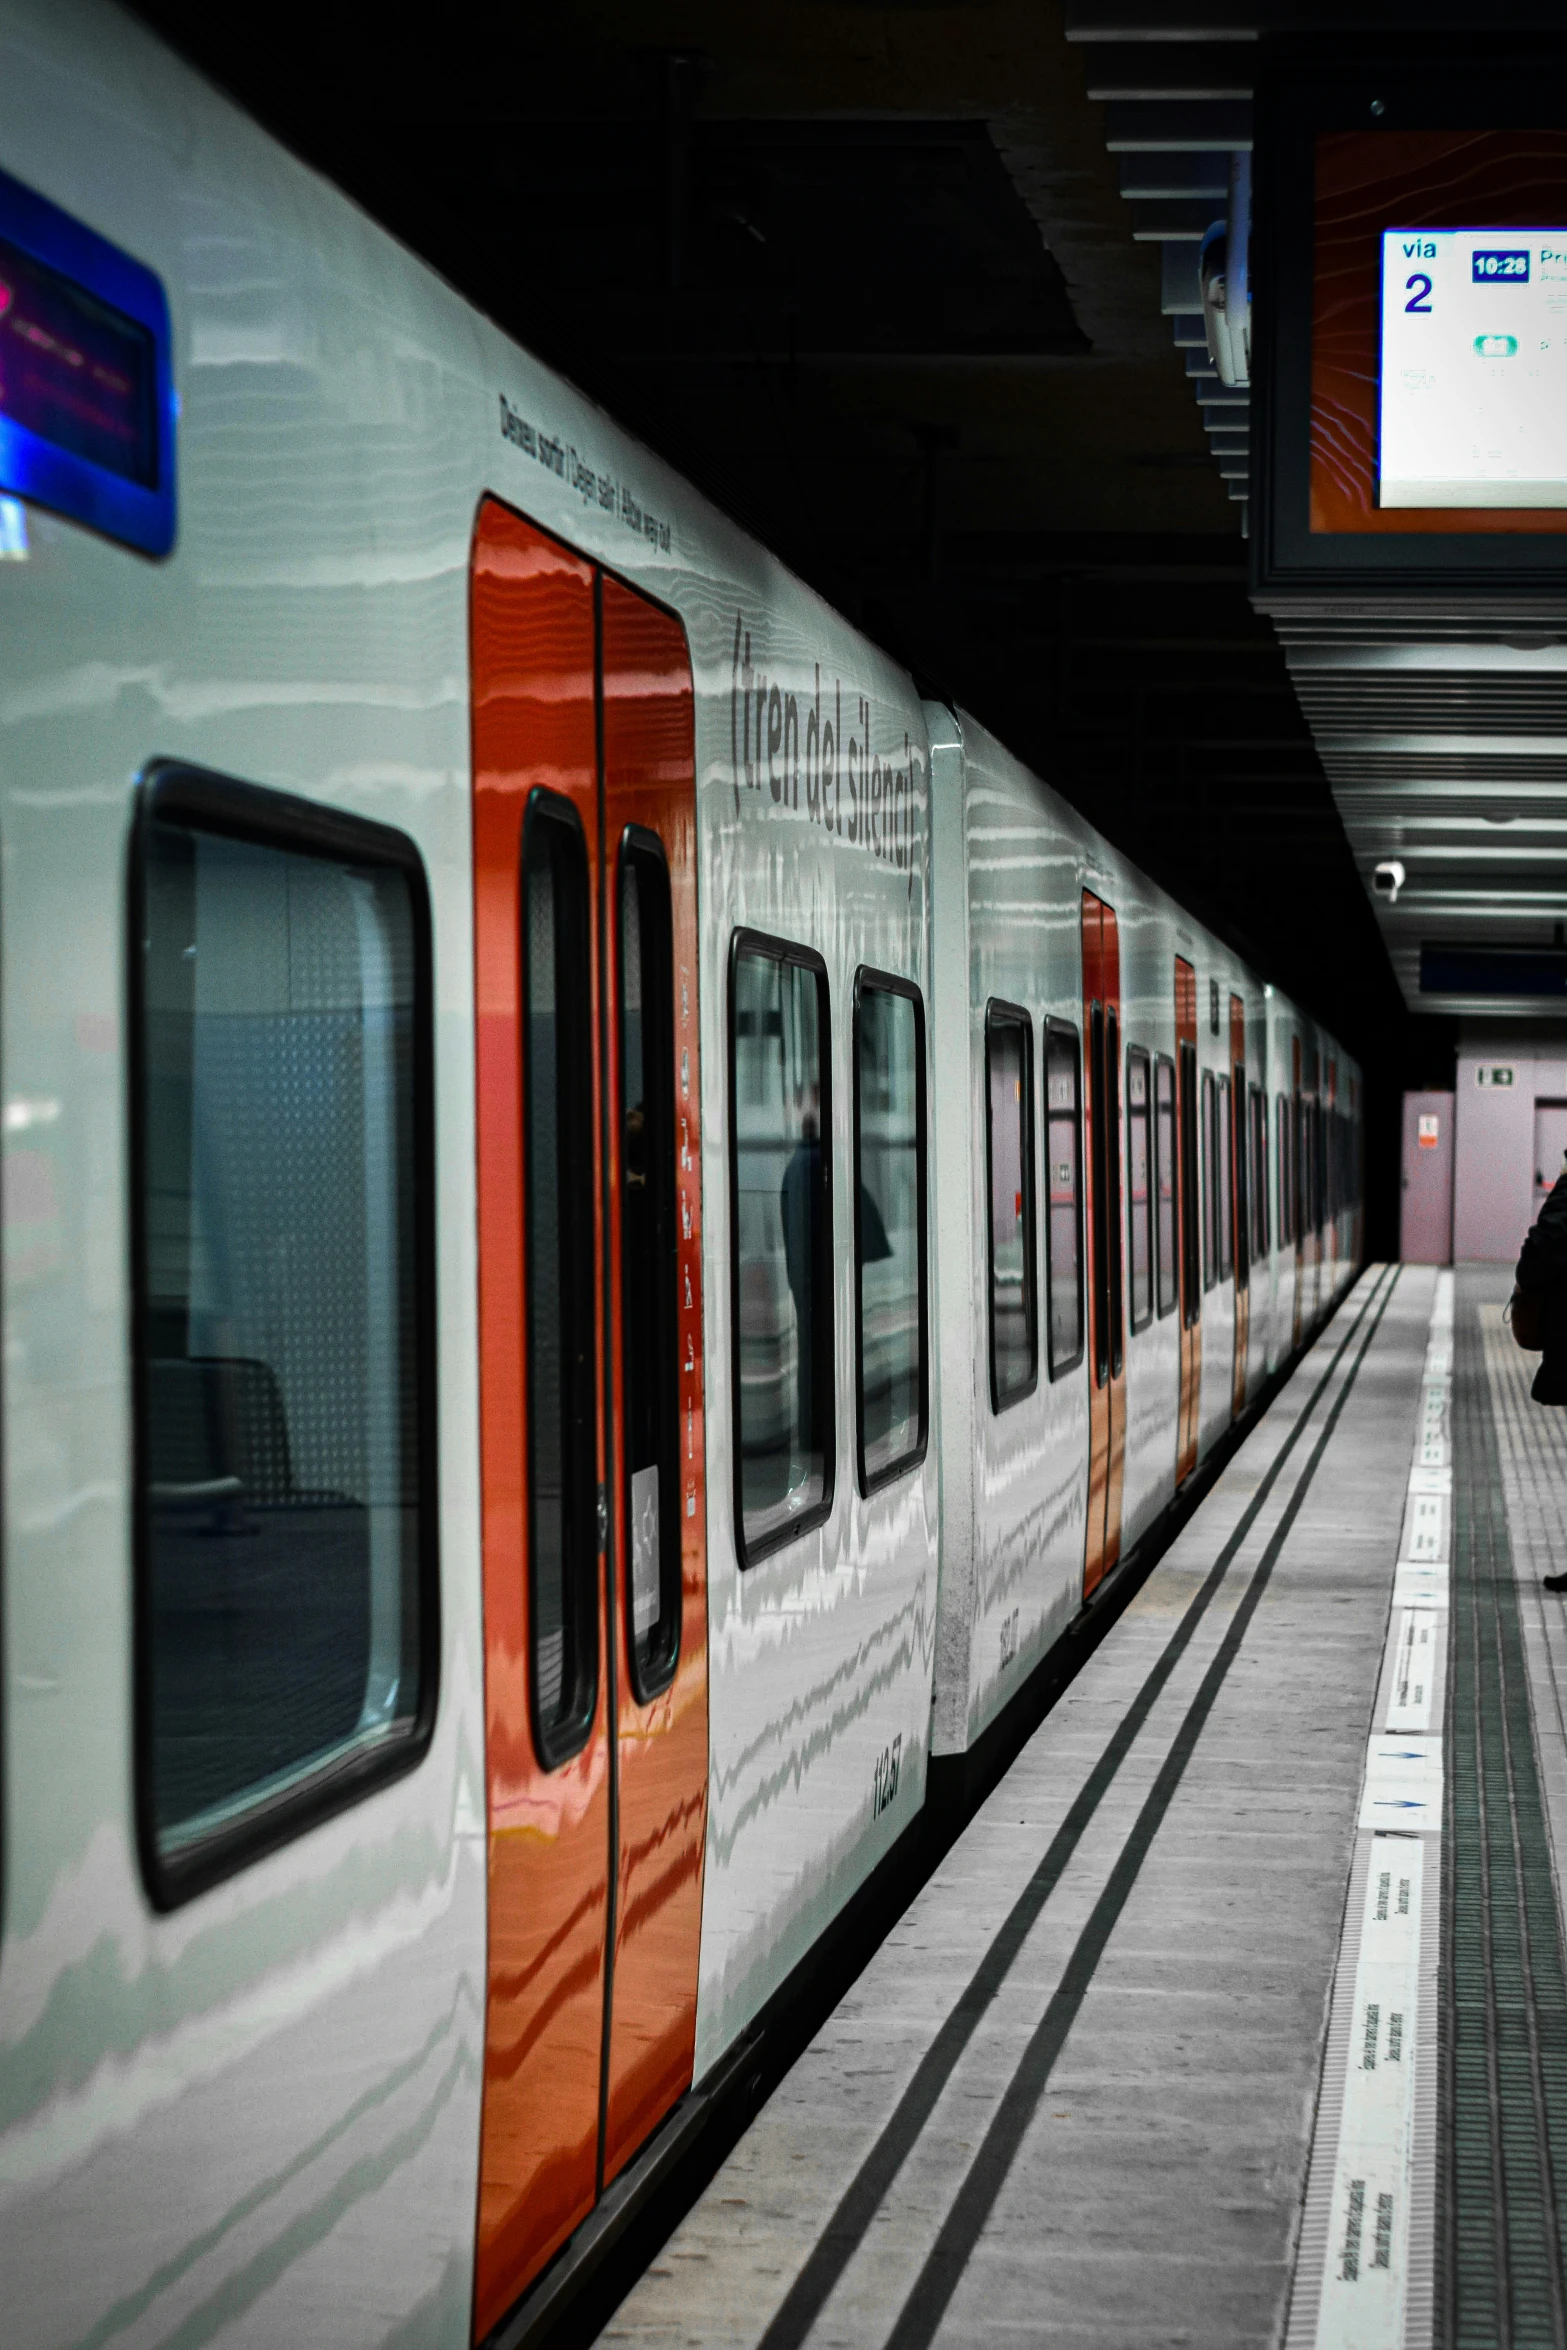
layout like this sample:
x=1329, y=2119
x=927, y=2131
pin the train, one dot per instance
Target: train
x=612, y=1222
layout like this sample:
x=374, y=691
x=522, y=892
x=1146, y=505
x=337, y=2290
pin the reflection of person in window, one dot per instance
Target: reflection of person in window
x=800, y=1207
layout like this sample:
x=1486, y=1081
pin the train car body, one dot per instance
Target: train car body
x=606, y=1229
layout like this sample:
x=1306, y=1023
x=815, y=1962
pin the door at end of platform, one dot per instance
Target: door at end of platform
x=1426, y=1199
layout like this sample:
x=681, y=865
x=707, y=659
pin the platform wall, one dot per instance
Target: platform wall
x=1494, y=1188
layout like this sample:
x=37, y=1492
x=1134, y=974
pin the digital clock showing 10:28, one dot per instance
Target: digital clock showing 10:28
x=1486, y=268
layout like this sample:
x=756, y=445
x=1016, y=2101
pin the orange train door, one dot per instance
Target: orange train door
x=589, y=1326
x=1188, y=1209
x=656, y=1241
x=1240, y=1202
x=1107, y=1375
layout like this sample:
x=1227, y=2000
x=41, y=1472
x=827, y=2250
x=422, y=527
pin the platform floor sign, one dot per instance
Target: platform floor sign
x=1363, y=2290
x=1365, y=2269
x=1368, y=2245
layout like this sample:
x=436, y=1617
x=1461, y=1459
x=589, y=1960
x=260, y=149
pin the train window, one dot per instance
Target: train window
x=1235, y=1104
x=889, y=1225
x=1009, y=1128
x=1139, y=1186
x=1063, y=1189
x=1167, y=1279
x=1342, y=1169
x=780, y=1174
x=1211, y=1163
x=649, y=1319
x=1224, y=1164
x=1191, y=1270
x=1281, y=1153
x=1112, y=1132
x=1259, y=1173
x=287, y=1626
x=561, y=1320
x=1104, y=1098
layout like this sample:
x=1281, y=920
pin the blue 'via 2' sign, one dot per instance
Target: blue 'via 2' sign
x=1489, y=269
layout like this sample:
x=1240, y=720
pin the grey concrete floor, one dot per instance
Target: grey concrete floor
x=1151, y=2190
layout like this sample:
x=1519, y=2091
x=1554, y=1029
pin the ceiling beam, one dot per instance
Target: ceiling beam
x=1170, y=69
x=1178, y=172
x=1162, y=125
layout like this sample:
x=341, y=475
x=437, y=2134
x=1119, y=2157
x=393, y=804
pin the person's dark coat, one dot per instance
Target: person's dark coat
x=1542, y=1273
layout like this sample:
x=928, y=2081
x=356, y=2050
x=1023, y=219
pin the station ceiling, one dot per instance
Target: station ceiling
x=910, y=290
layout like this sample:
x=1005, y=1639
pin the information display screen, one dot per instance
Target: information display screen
x=74, y=371
x=1472, y=398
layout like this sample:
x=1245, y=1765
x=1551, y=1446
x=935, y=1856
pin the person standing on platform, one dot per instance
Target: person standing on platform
x=1539, y=1306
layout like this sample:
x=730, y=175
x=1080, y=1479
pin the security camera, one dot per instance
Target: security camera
x=1388, y=879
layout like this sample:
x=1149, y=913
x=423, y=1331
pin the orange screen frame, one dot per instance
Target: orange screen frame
x=1367, y=181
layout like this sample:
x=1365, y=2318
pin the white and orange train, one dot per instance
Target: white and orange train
x=609, y=1222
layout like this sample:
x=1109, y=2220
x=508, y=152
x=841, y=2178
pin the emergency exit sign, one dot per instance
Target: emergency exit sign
x=1488, y=1074
x=1430, y=1131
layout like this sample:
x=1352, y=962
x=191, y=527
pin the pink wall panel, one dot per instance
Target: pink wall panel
x=1426, y=1204
x=1493, y=1167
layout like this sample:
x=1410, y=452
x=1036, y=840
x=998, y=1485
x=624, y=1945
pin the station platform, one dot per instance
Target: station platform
x=1238, y=2014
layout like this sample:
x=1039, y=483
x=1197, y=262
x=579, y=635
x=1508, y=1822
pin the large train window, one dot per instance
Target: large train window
x=1259, y=1172
x=780, y=1173
x=287, y=1626
x=889, y=1225
x=1191, y=1270
x=1104, y=1126
x=1167, y=1273
x=1112, y=1134
x=1224, y=1167
x=1235, y=1107
x=1009, y=1129
x=561, y=1353
x=1281, y=1154
x=1211, y=1163
x=1139, y=1185
x=650, y=1345
x=1063, y=1193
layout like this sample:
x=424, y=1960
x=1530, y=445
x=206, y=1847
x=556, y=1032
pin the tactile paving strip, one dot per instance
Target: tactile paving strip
x=1531, y=1440
x=1503, y=2144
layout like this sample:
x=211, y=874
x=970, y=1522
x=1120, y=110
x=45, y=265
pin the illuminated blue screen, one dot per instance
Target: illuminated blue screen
x=75, y=371
x=86, y=396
